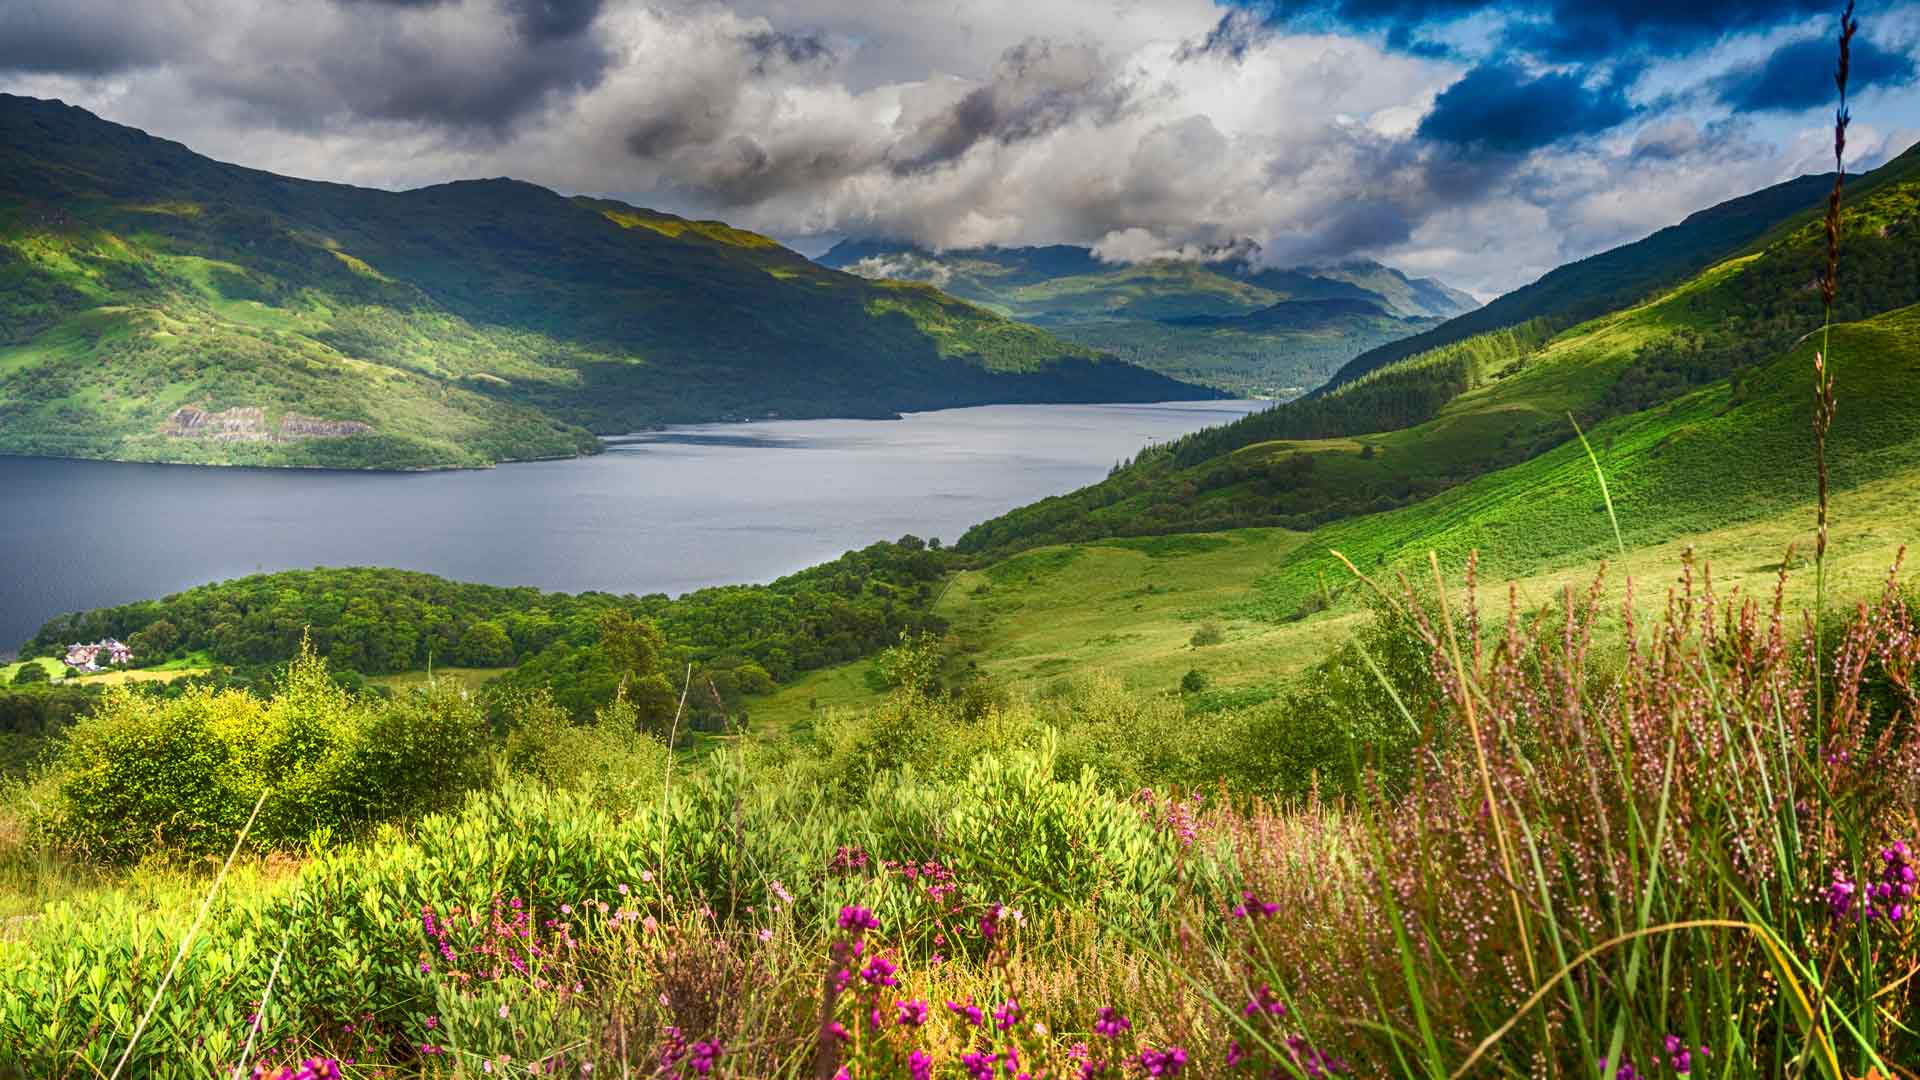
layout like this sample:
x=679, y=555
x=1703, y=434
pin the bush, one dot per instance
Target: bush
x=1208, y=633
x=145, y=775
x=30, y=672
x=609, y=757
x=733, y=847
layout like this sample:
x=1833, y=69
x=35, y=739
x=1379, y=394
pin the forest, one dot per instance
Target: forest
x=736, y=639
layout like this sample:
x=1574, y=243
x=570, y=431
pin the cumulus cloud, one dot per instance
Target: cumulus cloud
x=1482, y=149
x=1036, y=88
x=903, y=266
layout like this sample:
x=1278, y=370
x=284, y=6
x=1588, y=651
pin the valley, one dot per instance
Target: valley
x=1226, y=321
x=1096, y=619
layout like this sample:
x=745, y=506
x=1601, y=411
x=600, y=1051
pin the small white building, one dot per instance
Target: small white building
x=99, y=656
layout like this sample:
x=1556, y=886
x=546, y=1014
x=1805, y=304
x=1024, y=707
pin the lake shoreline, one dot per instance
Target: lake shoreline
x=669, y=510
x=609, y=440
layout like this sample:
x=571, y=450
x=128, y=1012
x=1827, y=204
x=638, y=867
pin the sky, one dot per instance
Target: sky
x=1482, y=145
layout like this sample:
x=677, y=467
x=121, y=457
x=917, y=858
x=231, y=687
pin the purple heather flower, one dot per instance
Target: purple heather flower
x=1007, y=1015
x=919, y=1066
x=990, y=923
x=1166, y=1062
x=1626, y=1071
x=1252, y=907
x=879, y=972
x=1264, y=1001
x=703, y=1055
x=857, y=919
x=1110, y=1023
x=912, y=1013
x=1678, y=1056
x=979, y=1066
x=969, y=1011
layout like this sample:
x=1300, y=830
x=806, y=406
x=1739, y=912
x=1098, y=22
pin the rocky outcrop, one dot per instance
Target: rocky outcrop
x=294, y=426
x=248, y=423
x=245, y=423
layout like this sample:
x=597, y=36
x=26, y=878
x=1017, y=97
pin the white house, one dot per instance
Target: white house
x=99, y=656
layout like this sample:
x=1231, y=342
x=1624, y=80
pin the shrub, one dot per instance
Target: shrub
x=609, y=756
x=145, y=775
x=1208, y=633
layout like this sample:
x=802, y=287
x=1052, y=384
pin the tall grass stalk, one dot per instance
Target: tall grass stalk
x=266, y=995
x=186, y=943
x=1605, y=495
x=1823, y=398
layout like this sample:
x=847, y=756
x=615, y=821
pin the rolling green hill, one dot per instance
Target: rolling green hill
x=158, y=305
x=1722, y=472
x=1225, y=323
x=1418, y=426
x=1600, y=283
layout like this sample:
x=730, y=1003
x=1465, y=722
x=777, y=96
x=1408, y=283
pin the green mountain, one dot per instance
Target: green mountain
x=1181, y=318
x=158, y=305
x=1496, y=404
x=1600, y=283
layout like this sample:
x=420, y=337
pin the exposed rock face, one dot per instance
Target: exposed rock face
x=295, y=426
x=243, y=424
x=248, y=423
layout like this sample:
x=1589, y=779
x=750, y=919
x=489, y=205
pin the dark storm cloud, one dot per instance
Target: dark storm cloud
x=1036, y=88
x=544, y=20
x=1800, y=76
x=1498, y=107
x=410, y=79
x=66, y=37
x=747, y=170
x=313, y=68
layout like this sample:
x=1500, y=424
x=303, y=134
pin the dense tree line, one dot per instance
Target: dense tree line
x=739, y=639
x=29, y=715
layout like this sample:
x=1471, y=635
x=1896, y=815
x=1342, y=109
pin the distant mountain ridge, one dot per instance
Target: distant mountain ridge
x=1630, y=340
x=986, y=274
x=1193, y=320
x=143, y=286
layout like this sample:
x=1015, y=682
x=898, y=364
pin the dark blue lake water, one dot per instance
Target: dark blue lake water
x=666, y=511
